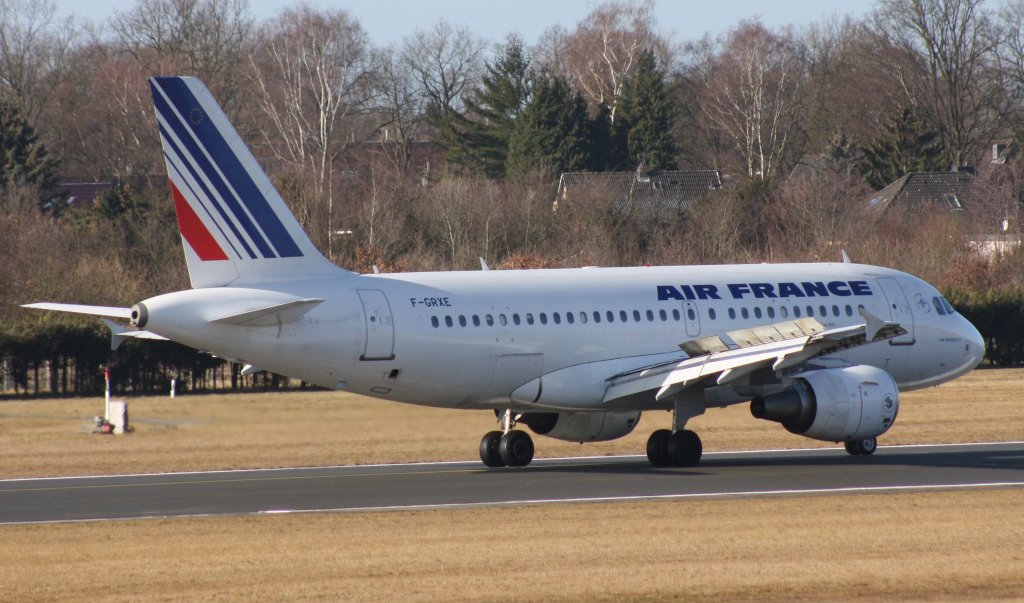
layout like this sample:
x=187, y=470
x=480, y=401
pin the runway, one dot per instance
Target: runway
x=441, y=485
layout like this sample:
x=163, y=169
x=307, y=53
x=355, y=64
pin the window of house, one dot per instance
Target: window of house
x=953, y=201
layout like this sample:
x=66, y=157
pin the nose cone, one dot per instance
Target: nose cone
x=975, y=343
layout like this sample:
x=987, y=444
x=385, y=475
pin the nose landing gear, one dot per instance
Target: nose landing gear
x=506, y=448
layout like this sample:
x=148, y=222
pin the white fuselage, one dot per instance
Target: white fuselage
x=470, y=339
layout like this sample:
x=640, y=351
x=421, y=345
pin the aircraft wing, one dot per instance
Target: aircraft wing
x=739, y=353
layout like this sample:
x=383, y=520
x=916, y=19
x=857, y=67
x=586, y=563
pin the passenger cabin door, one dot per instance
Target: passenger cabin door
x=899, y=308
x=380, y=328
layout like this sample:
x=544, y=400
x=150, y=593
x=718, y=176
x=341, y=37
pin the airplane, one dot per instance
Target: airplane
x=825, y=349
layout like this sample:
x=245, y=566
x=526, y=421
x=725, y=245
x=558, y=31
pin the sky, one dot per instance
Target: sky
x=389, y=21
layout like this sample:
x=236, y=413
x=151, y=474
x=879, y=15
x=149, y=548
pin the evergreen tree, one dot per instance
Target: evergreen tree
x=483, y=139
x=553, y=130
x=904, y=146
x=644, y=119
x=24, y=161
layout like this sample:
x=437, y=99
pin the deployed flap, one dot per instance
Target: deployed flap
x=778, y=346
x=271, y=315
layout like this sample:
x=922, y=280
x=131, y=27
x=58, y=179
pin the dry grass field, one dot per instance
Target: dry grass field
x=940, y=546
x=41, y=437
x=945, y=546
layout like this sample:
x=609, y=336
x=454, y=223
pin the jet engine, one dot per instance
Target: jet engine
x=843, y=404
x=582, y=426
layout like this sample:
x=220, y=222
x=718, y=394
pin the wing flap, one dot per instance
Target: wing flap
x=778, y=346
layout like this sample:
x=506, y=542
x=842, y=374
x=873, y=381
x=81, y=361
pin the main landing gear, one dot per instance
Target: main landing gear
x=863, y=446
x=506, y=448
x=680, y=449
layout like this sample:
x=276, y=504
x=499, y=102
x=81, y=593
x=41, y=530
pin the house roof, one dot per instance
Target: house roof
x=79, y=194
x=958, y=193
x=655, y=193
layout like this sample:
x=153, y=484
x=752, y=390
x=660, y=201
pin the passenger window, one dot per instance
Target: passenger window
x=636, y=315
x=515, y=319
x=435, y=322
x=810, y=311
x=650, y=316
x=623, y=316
x=557, y=318
x=583, y=318
x=784, y=311
x=462, y=320
x=597, y=316
x=490, y=320
x=771, y=312
x=692, y=315
x=529, y=318
x=757, y=312
x=663, y=315
x=824, y=311
x=502, y=320
x=476, y=320
x=448, y=321
x=745, y=313
x=796, y=311
x=711, y=313
x=569, y=318
x=849, y=310
x=610, y=316
x=543, y=318
x=732, y=314
x=835, y=310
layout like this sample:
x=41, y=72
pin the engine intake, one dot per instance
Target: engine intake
x=834, y=405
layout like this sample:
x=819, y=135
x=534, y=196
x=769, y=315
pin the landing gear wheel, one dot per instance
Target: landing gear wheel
x=489, y=453
x=516, y=448
x=863, y=446
x=657, y=448
x=685, y=448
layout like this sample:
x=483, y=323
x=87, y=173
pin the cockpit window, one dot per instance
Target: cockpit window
x=938, y=306
x=949, y=308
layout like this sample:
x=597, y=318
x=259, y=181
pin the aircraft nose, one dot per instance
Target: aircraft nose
x=975, y=342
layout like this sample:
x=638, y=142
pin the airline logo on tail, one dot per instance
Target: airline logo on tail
x=220, y=193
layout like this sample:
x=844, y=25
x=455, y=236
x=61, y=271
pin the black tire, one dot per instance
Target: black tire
x=685, y=448
x=516, y=448
x=489, y=453
x=853, y=447
x=657, y=448
x=868, y=446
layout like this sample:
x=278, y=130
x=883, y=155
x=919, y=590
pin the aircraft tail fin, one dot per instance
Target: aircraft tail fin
x=235, y=227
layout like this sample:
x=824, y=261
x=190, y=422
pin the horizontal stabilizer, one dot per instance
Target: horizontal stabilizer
x=108, y=311
x=271, y=315
x=119, y=334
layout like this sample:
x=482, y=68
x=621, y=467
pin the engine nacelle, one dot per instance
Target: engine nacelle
x=582, y=426
x=834, y=405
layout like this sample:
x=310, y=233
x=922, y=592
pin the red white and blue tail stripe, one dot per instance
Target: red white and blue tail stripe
x=234, y=225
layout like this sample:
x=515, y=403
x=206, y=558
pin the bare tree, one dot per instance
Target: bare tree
x=34, y=46
x=753, y=92
x=401, y=107
x=445, y=61
x=314, y=73
x=950, y=69
x=206, y=38
x=602, y=50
